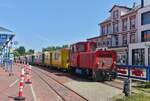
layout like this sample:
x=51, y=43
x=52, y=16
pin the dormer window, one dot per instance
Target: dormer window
x=116, y=14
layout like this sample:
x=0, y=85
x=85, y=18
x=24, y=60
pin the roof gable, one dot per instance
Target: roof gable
x=119, y=7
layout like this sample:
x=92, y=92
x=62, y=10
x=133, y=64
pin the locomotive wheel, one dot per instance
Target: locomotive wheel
x=94, y=76
x=98, y=76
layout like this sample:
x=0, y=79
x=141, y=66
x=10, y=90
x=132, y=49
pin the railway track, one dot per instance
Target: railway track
x=63, y=92
x=116, y=83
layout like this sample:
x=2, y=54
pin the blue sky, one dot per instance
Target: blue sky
x=42, y=23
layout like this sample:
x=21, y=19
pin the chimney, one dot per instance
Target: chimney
x=142, y=3
x=134, y=5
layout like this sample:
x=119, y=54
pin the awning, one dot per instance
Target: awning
x=5, y=37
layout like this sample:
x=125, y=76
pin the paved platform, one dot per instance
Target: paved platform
x=41, y=91
x=9, y=86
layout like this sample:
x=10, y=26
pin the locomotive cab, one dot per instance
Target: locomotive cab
x=105, y=65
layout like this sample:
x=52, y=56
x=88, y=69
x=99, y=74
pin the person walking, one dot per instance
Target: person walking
x=11, y=59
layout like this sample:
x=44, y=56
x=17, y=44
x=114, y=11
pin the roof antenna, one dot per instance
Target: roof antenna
x=142, y=3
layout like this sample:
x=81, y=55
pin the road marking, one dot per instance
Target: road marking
x=14, y=82
x=33, y=93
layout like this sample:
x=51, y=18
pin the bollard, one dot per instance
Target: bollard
x=29, y=75
x=26, y=66
x=126, y=87
x=21, y=84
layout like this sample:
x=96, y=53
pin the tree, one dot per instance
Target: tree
x=30, y=51
x=21, y=50
x=65, y=46
x=52, y=48
x=16, y=53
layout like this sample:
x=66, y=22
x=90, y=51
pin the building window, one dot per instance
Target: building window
x=145, y=36
x=138, y=57
x=145, y=18
x=148, y=56
x=104, y=43
x=132, y=38
x=103, y=30
x=132, y=22
x=122, y=58
x=109, y=28
x=124, y=24
x=117, y=40
x=115, y=27
x=109, y=42
x=124, y=40
x=116, y=14
x=99, y=44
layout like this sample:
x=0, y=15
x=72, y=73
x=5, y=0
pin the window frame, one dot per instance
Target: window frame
x=145, y=21
x=140, y=53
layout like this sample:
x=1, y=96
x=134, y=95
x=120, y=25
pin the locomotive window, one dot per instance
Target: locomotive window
x=93, y=47
x=73, y=49
x=81, y=48
x=105, y=55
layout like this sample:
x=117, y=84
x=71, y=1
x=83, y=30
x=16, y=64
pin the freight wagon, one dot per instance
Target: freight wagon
x=39, y=59
x=29, y=59
x=47, y=58
x=60, y=58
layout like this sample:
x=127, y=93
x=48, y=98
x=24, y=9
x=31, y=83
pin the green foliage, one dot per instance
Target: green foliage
x=146, y=85
x=135, y=97
x=16, y=53
x=52, y=48
x=22, y=51
x=30, y=51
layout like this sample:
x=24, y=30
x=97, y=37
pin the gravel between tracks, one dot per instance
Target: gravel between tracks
x=94, y=91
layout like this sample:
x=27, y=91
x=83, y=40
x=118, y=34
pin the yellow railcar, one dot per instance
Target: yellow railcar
x=60, y=58
x=48, y=58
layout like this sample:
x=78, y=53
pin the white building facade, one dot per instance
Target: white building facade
x=139, y=53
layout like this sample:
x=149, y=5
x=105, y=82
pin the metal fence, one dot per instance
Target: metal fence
x=135, y=72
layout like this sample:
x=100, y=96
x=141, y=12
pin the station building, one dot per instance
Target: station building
x=124, y=26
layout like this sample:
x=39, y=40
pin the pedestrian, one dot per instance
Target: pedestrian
x=11, y=59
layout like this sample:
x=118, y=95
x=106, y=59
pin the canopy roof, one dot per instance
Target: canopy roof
x=6, y=35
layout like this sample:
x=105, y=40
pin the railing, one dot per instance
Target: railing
x=135, y=72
